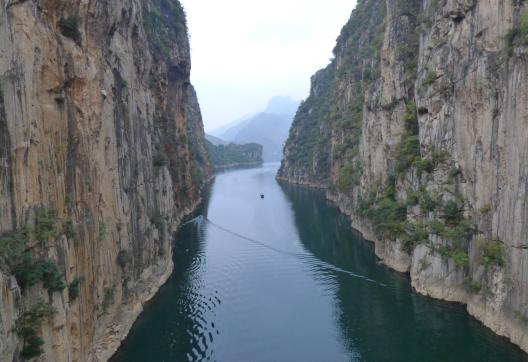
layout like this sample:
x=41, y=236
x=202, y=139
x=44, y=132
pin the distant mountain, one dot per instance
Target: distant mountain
x=215, y=140
x=221, y=130
x=269, y=128
x=282, y=105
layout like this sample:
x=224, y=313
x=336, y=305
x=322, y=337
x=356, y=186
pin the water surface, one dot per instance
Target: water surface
x=285, y=278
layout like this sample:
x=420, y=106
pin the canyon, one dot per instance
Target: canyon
x=416, y=130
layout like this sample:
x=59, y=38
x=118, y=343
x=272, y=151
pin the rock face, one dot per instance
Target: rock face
x=418, y=130
x=101, y=155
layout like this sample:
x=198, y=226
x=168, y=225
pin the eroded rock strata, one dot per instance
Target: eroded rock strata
x=101, y=155
x=418, y=130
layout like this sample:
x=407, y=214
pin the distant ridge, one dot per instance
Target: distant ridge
x=215, y=140
x=269, y=128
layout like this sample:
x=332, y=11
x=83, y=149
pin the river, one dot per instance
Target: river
x=285, y=278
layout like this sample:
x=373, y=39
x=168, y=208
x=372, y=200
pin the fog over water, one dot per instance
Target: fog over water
x=245, y=52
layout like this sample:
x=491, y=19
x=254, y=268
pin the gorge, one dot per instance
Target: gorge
x=417, y=131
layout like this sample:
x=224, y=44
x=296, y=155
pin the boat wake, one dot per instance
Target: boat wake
x=307, y=257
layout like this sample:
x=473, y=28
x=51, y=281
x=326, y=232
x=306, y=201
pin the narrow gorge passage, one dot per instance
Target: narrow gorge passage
x=285, y=278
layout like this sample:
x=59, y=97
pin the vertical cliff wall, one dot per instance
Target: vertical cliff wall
x=418, y=131
x=101, y=155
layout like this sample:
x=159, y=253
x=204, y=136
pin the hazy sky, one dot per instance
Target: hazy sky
x=246, y=51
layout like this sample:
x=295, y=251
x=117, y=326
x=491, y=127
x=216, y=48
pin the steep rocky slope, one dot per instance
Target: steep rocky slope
x=418, y=130
x=101, y=155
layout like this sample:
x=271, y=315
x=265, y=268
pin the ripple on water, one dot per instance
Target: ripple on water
x=309, y=290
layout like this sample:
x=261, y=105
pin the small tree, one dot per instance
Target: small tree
x=493, y=252
x=51, y=277
x=159, y=159
x=69, y=27
x=28, y=325
x=73, y=288
x=122, y=258
x=451, y=212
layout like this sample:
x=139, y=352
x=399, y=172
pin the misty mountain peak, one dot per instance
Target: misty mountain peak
x=282, y=105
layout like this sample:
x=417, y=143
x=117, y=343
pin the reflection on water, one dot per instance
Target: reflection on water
x=286, y=279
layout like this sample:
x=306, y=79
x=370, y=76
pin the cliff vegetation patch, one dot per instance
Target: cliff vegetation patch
x=69, y=27
x=28, y=327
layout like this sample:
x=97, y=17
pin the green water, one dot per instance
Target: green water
x=285, y=278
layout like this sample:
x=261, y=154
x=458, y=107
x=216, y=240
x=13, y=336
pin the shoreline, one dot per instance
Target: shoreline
x=498, y=322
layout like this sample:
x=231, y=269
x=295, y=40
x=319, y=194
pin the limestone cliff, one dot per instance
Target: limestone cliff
x=101, y=155
x=418, y=130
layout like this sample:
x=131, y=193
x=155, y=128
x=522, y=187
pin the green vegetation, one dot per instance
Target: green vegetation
x=453, y=173
x=73, y=288
x=45, y=220
x=358, y=47
x=103, y=231
x=196, y=176
x=159, y=222
x=459, y=256
x=234, y=154
x=69, y=229
x=472, y=287
x=389, y=218
x=28, y=326
x=518, y=35
x=12, y=246
x=161, y=250
x=406, y=53
x=69, y=27
x=108, y=298
x=415, y=233
x=386, y=213
x=29, y=272
x=308, y=130
x=163, y=21
x=493, y=252
x=452, y=212
x=51, y=276
x=332, y=112
x=309, y=150
x=413, y=198
x=348, y=176
x=422, y=165
x=21, y=263
x=122, y=258
x=160, y=159
x=429, y=79
x=428, y=202
x=408, y=150
x=485, y=209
